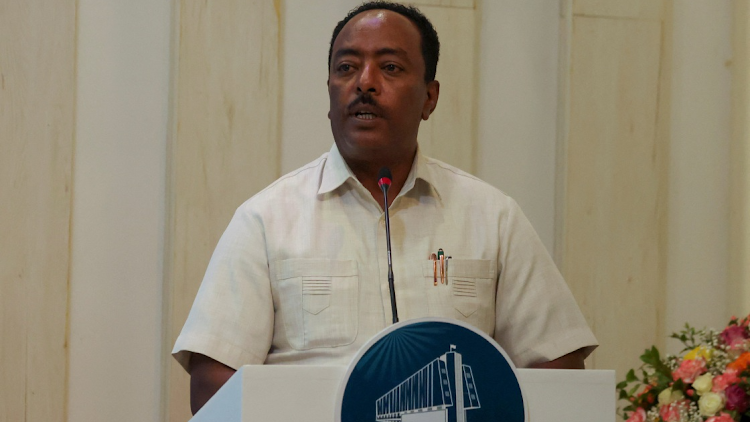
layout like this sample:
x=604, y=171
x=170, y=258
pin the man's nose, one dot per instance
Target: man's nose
x=369, y=80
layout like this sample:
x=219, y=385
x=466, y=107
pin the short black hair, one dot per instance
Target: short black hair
x=430, y=42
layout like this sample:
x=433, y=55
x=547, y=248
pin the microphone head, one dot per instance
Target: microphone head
x=384, y=178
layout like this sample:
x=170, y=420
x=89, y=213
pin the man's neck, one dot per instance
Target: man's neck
x=367, y=174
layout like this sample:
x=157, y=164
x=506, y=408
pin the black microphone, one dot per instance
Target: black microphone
x=384, y=181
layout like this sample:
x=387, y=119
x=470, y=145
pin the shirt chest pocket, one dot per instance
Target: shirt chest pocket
x=317, y=301
x=467, y=292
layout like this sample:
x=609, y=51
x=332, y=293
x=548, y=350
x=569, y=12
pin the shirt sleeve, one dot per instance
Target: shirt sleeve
x=537, y=317
x=232, y=318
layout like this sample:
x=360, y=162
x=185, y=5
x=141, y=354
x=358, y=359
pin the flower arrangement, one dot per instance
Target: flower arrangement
x=707, y=383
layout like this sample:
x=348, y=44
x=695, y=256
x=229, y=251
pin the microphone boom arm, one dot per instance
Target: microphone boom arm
x=384, y=181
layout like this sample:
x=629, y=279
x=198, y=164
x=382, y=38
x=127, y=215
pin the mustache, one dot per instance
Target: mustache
x=365, y=98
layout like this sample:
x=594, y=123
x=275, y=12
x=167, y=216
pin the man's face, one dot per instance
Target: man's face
x=376, y=86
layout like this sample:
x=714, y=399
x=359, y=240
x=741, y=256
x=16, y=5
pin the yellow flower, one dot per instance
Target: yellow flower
x=703, y=383
x=700, y=352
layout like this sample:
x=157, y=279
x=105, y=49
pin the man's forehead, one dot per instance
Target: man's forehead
x=370, y=18
x=370, y=22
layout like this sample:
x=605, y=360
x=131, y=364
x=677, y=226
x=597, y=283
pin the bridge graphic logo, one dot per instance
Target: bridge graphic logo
x=443, y=390
x=430, y=370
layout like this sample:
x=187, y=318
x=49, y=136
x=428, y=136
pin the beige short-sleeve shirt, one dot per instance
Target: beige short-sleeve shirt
x=301, y=276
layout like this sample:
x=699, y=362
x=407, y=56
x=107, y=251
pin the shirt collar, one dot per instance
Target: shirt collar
x=420, y=171
x=336, y=172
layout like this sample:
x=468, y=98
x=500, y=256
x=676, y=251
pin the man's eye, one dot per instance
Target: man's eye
x=391, y=67
x=345, y=67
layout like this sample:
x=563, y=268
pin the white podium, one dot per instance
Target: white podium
x=284, y=393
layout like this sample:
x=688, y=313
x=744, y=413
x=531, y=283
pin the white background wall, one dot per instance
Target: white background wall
x=698, y=234
x=118, y=210
x=119, y=181
x=305, y=128
x=518, y=105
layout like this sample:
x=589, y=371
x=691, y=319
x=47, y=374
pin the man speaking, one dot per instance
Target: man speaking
x=301, y=272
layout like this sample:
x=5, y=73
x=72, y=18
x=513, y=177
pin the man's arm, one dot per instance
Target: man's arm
x=573, y=360
x=206, y=377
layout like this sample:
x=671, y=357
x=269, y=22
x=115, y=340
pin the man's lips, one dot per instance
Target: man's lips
x=365, y=112
x=365, y=115
x=364, y=107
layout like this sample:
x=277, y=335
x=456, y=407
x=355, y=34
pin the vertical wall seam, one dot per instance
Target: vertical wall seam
x=71, y=197
x=474, y=156
x=169, y=212
x=563, y=122
x=739, y=208
x=280, y=28
x=26, y=363
x=662, y=145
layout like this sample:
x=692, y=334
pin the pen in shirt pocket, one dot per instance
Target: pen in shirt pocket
x=440, y=259
x=433, y=258
x=446, y=269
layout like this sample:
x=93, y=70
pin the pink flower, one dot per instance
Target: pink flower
x=734, y=335
x=689, y=370
x=638, y=416
x=736, y=398
x=671, y=412
x=723, y=417
x=721, y=382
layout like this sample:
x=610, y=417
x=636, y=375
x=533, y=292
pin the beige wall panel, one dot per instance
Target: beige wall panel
x=634, y=9
x=739, y=207
x=612, y=257
x=445, y=3
x=225, y=145
x=450, y=133
x=661, y=156
x=37, y=119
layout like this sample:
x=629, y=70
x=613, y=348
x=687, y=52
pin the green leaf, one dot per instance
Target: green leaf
x=650, y=356
x=653, y=358
x=663, y=379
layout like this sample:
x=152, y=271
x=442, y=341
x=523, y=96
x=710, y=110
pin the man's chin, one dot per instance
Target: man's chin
x=363, y=145
x=375, y=152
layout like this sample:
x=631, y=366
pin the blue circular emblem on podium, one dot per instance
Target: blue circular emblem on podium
x=430, y=370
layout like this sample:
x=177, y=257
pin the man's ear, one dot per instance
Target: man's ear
x=328, y=86
x=433, y=92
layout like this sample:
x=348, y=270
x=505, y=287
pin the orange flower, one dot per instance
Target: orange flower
x=741, y=363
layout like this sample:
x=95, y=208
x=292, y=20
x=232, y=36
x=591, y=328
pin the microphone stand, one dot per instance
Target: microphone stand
x=384, y=181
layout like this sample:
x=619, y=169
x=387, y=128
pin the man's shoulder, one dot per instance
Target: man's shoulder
x=459, y=182
x=299, y=184
x=300, y=175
